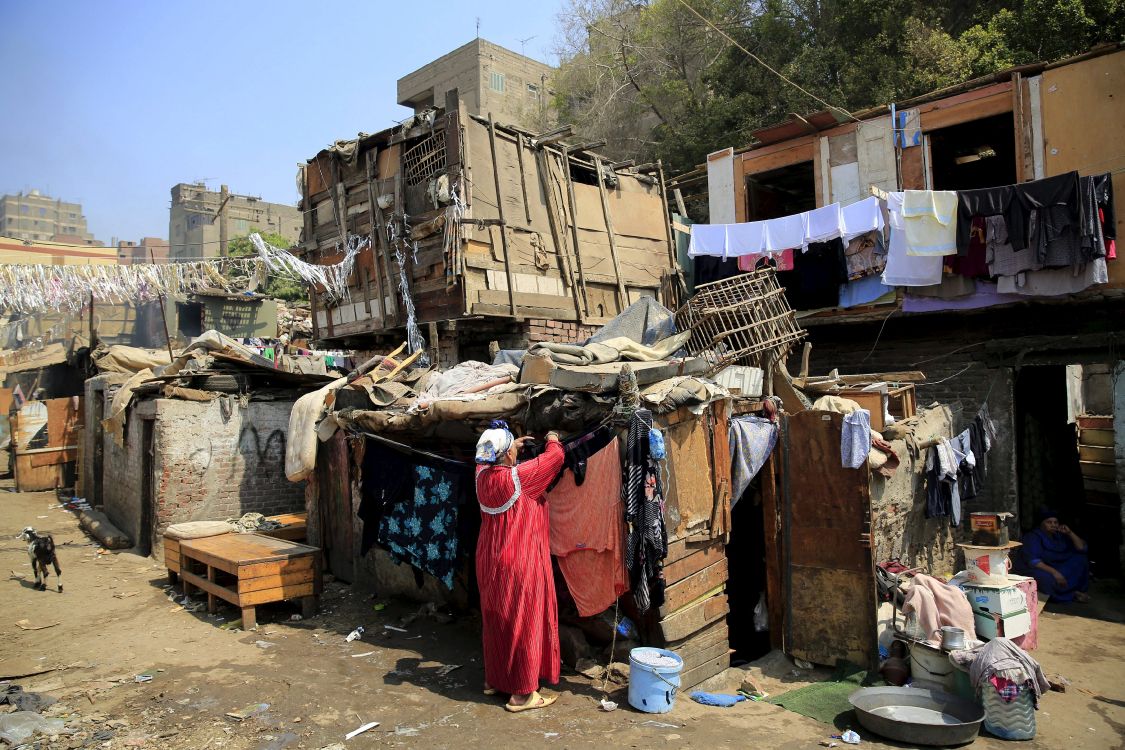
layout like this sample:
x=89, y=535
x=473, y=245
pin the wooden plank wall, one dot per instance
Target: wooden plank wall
x=543, y=219
x=692, y=621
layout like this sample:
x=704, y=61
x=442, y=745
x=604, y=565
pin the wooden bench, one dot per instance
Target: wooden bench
x=294, y=527
x=249, y=569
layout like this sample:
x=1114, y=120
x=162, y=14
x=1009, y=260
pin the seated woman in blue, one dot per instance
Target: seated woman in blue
x=1057, y=558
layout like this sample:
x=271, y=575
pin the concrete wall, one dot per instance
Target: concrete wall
x=469, y=69
x=898, y=507
x=193, y=234
x=207, y=465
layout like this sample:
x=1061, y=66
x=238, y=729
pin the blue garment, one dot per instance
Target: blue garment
x=855, y=438
x=421, y=528
x=1061, y=554
x=863, y=291
x=716, y=699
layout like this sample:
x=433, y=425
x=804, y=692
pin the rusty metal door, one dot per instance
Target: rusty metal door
x=826, y=525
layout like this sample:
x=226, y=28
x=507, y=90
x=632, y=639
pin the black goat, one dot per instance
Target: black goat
x=41, y=550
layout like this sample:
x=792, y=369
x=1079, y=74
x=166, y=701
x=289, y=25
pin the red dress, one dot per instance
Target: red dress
x=519, y=611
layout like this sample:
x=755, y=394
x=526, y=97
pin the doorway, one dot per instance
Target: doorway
x=976, y=154
x=780, y=192
x=148, y=498
x=1064, y=456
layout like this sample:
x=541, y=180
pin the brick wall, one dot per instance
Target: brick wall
x=208, y=466
x=560, y=331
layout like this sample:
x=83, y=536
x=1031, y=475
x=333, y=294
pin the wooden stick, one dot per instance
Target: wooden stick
x=574, y=225
x=376, y=236
x=500, y=213
x=163, y=315
x=599, y=174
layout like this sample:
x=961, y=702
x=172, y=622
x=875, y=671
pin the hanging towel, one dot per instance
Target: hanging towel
x=708, y=239
x=752, y=440
x=822, y=224
x=931, y=222
x=855, y=438
x=784, y=233
x=868, y=290
x=745, y=238
x=862, y=217
x=936, y=604
x=902, y=268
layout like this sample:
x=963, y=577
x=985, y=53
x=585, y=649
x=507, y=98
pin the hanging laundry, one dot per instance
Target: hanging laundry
x=990, y=202
x=818, y=272
x=388, y=478
x=784, y=232
x=1103, y=194
x=1050, y=282
x=931, y=222
x=782, y=261
x=752, y=440
x=421, y=529
x=855, y=438
x=823, y=224
x=1002, y=258
x=974, y=263
x=1052, y=215
x=865, y=255
x=862, y=217
x=942, y=497
x=866, y=291
x=643, y=497
x=902, y=268
x=587, y=531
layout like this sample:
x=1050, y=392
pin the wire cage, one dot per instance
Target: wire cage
x=743, y=320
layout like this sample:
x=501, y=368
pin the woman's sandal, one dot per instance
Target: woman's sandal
x=489, y=690
x=534, y=701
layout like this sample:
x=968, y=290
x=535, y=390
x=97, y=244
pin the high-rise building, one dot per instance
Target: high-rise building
x=36, y=217
x=488, y=78
x=195, y=221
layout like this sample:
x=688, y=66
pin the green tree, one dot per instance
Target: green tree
x=278, y=287
x=654, y=80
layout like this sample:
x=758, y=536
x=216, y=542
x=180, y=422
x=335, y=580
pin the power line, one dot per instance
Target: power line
x=764, y=64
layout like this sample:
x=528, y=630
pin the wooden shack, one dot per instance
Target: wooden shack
x=486, y=232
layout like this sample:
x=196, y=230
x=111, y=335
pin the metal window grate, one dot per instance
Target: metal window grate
x=741, y=320
x=425, y=159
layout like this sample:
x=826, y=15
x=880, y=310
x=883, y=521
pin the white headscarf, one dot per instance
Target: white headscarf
x=494, y=443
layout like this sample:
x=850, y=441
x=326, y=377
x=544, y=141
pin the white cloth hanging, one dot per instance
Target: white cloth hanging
x=902, y=268
x=862, y=217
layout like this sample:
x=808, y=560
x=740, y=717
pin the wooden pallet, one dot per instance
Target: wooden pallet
x=249, y=569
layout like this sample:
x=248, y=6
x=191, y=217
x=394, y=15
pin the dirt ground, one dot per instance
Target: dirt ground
x=115, y=621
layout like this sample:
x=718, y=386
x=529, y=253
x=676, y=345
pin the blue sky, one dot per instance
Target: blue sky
x=112, y=103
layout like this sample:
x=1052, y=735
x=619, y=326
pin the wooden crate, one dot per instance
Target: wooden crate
x=250, y=569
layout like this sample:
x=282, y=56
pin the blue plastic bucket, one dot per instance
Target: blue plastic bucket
x=653, y=689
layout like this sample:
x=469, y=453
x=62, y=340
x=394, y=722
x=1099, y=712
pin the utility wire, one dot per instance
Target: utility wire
x=764, y=64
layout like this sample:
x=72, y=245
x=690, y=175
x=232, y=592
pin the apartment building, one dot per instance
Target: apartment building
x=196, y=217
x=34, y=217
x=488, y=78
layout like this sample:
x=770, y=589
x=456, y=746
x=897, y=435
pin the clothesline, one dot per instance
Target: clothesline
x=28, y=288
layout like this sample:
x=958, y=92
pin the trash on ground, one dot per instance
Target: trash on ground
x=247, y=712
x=803, y=664
x=20, y=726
x=446, y=669
x=607, y=705
x=379, y=607
x=850, y=737
x=355, y=634
x=26, y=625
x=264, y=644
x=295, y=618
x=232, y=625
x=397, y=630
x=361, y=730
x=365, y=653
x=659, y=724
x=14, y=695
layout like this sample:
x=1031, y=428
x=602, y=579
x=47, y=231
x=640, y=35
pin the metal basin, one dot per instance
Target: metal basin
x=924, y=717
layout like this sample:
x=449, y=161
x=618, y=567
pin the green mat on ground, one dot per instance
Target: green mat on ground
x=828, y=701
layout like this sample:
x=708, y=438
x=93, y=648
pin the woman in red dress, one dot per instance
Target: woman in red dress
x=519, y=612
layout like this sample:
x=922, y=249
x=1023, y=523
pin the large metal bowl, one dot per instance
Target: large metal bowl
x=924, y=717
